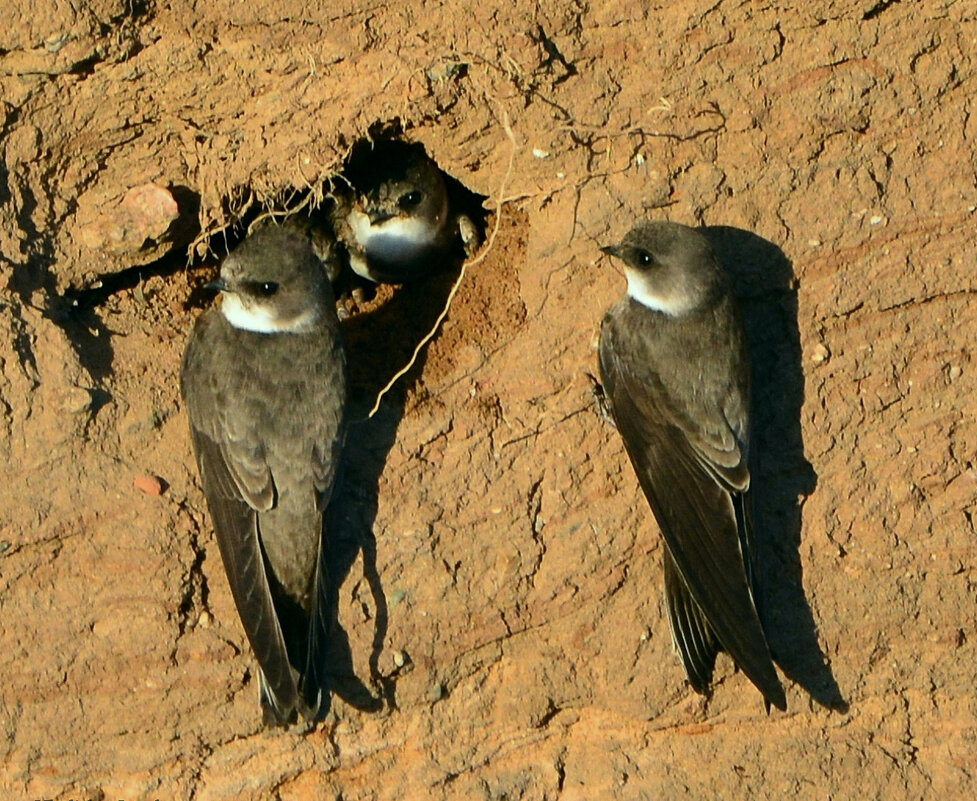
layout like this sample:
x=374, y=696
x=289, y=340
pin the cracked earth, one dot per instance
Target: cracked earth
x=500, y=630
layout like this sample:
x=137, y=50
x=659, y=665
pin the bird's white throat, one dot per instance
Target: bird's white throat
x=396, y=239
x=673, y=305
x=260, y=319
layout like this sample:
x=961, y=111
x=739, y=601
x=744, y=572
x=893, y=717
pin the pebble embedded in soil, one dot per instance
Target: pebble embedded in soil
x=149, y=484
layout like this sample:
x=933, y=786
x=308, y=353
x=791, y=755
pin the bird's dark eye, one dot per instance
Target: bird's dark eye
x=262, y=289
x=643, y=258
x=410, y=199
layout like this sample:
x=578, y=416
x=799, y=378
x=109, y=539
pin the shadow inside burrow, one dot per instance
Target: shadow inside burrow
x=763, y=282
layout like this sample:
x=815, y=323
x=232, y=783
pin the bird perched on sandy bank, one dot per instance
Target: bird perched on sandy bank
x=398, y=222
x=264, y=383
x=674, y=366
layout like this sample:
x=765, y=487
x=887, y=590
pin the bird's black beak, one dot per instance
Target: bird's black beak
x=220, y=285
x=378, y=216
x=611, y=250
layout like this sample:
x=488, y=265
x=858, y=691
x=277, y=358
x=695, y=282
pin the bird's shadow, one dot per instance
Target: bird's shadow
x=378, y=343
x=763, y=281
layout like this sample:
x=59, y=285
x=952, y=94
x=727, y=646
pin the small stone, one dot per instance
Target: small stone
x=540, y=154
x=397, y=596
x=107, y=627
x=76, y=400
x=55, y=42
x=204, y=620
x=400, y=658
x=144, y=216
x=820, y=354
x=436, y=692
x=151, y=485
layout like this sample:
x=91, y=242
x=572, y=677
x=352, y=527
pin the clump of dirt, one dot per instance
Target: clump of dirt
x=500, y=630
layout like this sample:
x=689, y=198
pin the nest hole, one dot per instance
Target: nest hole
x=380, y=332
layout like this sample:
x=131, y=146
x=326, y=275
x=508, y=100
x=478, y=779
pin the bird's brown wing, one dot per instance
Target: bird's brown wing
x=325, y=466
x=236, y=524
x=238, y=484
x=694, y=474
x=693, y=637
x=243, y=457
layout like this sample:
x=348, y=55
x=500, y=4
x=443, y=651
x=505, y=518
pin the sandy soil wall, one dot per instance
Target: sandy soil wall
x=502, y=633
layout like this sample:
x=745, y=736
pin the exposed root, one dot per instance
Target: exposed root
x=461, y=275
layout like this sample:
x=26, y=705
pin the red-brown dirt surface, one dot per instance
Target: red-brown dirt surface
x=501, y=633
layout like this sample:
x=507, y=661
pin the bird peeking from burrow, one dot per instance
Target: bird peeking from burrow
x=397, y=215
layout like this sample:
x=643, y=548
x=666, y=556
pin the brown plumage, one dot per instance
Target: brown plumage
x=266, y=416
x=675, y=370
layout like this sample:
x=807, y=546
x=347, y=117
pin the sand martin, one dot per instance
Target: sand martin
x=264, y=384
x=675, y=370
x=399, y=223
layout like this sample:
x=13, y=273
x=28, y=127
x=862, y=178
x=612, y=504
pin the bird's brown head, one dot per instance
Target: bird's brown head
x=273, y=283
x=670, y=267
x=412, y=189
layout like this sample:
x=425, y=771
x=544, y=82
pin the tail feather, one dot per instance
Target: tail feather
x=691, y=634
x=274, y=712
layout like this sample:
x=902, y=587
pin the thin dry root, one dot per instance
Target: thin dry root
x=461, y=275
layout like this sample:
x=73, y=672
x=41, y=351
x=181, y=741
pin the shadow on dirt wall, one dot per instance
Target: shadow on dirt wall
x=764, y=284
x=378, y=343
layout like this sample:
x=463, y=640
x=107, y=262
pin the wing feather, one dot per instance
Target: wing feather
x=236, y=524
x=690, y=473
x=690, y=630
x=244, y=457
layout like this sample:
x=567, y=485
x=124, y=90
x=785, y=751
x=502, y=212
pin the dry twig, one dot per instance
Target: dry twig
x=461, y=275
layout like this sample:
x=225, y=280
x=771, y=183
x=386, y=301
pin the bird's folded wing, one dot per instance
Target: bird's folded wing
x=244, y=459
x=691, y=633
x=325, y=468
x=688, y=471
x=325, y=462
x=235, y=522
x=314, y=682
